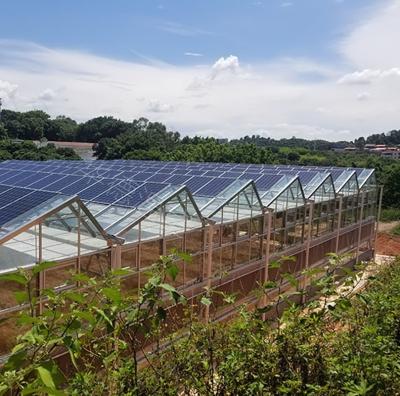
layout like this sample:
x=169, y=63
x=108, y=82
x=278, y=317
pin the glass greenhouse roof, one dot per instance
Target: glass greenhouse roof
x=121, y=192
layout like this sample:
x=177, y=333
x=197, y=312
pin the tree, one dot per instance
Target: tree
x=100, y=127
x=3, y=131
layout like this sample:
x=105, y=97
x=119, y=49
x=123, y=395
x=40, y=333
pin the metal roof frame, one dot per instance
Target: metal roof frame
x=69, y=200
x=233, y=196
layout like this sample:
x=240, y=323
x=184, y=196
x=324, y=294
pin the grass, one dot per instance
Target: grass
x=390, y=214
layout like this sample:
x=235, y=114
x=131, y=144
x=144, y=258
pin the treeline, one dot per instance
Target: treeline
x=37, y=124
x=30, y=151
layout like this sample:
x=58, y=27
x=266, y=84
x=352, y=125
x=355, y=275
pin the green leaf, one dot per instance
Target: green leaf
x=103, y=315
x=46, y=377
x=43, y=266
x=173, y=271
x=168, y=287
x=83, y=278
x=112, y=294
x=274, y=264
x=122, y=272
x=15, y=277
x=3, y=389
x=21, y=297
x=74, y=296
x=205, y=301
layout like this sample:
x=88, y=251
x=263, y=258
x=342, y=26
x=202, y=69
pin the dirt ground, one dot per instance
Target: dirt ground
x=388, y=244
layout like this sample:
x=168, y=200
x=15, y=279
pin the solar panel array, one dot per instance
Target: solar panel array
x=15, y=201
x=129, y=183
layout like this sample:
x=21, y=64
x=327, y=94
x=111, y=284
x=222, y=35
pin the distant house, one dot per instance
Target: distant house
x=84, y=150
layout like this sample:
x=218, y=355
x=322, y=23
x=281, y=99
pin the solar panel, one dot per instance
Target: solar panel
x=159, y=177
x=178, y=179
x=79, y=185
x=99, y=188
x=117, y=192
x=197, y=182
x=45, y=181
x=7, y=175
x=249, y=176
x=232, y=174
x=16, y=177
x=265, y=182
x=213, y=173
x=21, y=200
x=214, y=187
x=142, y=176
x=11, y=195
x=306, y=177
x=141, y=194
x=62, y=183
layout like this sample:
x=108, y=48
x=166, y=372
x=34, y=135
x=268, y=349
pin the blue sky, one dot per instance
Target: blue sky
x=255, y=30
x=312, y=68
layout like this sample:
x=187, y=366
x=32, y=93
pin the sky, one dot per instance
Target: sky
x=326, y=69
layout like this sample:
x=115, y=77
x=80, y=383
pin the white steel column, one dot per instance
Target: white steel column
x=360, y=226
x=339, y=225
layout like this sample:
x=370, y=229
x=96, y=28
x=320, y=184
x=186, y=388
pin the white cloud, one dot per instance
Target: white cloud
x=182, y=30
x=155, y=106
x=47, y=95
x=286, y=4
x=223, y=65
x=368, y=76
x=7, y=89
x=363, y=96
x=373, y=44
x=227, y=98
x=195, y=54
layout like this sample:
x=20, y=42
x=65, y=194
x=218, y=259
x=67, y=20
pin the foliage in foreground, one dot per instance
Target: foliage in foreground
x=338, y=344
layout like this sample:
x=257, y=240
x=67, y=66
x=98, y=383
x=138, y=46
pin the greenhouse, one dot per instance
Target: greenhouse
x=233, y=219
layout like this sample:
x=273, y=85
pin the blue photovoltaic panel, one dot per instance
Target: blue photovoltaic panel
x=213, y=173
x=12, y=195
x=197, y=182
x=79, y=185
x=18, y=177
x=249, y=176
x=179, y=171
x=104, y=173
x=178, y=179
x=62, y=183
x=126, y=174
x=141, y=194
x=22, y=200
x=4, y=188
x=231, y=174
x=265, y=182
x=117, y=192
x=101, y=187
x=195, y=172
x=142, y=176
x=45, y=181
x=6, y=175
x=306, y=177
x=159, y=177
x=335, y=173
x=214, y=187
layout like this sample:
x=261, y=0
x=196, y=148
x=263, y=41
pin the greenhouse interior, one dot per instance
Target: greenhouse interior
x=233, y=219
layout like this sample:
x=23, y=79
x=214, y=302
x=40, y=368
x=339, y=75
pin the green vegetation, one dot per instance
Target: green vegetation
x=391, y=214
x=26, y=150
x=333, y=345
